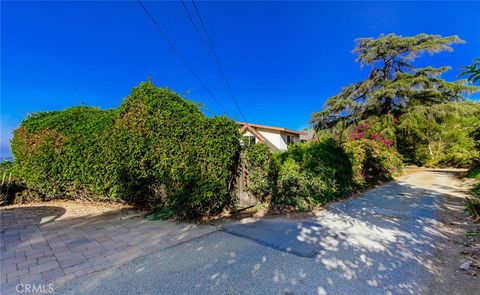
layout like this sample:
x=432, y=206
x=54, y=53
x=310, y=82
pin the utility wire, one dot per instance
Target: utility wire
x=197, y=32
x=179, y=54
x=199, y=35
x=217, y=60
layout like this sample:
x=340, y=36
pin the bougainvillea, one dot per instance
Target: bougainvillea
x=365, y=131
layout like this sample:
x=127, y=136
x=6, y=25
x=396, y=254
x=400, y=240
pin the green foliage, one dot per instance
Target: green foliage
x=261, y=169
x=472, y=71
x=156, y=149
x=54, y=155
x=440, y=135
x=6, y=168
x=312, y=173
x=474, y=172
x=475, y=134
x=372, y=161
x=13, y=189
x=393, y=84
x=163, y=214
x=476, y=189
x=472, y=206
x=299, y=187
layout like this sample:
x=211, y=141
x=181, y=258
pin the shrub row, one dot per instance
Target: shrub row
x=156, y=149
x=314, y=173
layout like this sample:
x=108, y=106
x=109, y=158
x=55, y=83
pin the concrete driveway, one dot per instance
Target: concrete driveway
x=390, y=240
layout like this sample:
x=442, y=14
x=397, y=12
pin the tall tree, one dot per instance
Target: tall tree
x=394, y=83
x=472, y=71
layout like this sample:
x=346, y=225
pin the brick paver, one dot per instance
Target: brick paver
x=42, y=244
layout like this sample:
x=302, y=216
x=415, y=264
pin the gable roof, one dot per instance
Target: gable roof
x=248, y=127
x=244, y=124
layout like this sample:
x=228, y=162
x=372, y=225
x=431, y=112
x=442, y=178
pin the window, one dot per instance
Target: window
x=248, y=140
x=290, y=139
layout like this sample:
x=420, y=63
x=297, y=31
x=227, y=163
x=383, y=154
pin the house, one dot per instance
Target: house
x=276, y=138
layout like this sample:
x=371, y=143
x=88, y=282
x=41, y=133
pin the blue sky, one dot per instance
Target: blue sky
x=282, y=59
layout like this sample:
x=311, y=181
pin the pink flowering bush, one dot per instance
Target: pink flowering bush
x=373, y=161
x=366, y=131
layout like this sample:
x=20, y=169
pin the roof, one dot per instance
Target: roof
x=308, y=135
x=271, y=128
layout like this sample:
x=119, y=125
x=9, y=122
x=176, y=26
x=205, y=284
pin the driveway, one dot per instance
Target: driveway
x=391, y=240
x=53, y=243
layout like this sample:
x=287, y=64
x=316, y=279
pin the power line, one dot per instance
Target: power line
x=197, y=31
x=185, y=62
x=199, y=35
x=217, y=60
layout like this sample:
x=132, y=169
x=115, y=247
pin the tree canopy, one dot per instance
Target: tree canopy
x=394, y=83
x=440, y=135
x=472, y=71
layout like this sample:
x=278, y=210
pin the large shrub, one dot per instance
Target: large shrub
x=373, y=161
x=156, y=149
x=262, y=170
x=312, y=173
x=306, y=175
x=59, y=152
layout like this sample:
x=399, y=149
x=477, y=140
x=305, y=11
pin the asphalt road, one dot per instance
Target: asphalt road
x=385, y=242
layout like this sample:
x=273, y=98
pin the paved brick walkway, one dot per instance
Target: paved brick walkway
x=45, y=244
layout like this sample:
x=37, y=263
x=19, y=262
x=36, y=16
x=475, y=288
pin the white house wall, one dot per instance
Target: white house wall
x=275, y=137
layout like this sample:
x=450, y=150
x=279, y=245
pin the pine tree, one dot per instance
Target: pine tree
x=394, y=83
x=472, y=71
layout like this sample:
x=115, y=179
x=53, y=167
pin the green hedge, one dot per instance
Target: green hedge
x=306, y=175
x=314, y=173
x=262, y=170
x=156, y=149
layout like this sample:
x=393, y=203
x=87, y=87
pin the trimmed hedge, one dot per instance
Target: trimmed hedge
x=156, y=149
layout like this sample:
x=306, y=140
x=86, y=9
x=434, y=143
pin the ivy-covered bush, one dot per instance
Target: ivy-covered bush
x=156, y=149
x=373, y=161
x=60, y=152
x=262, y=170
